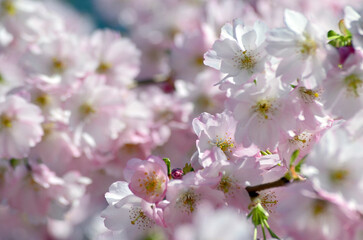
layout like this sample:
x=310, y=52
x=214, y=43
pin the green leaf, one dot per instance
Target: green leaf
x=167, y=162
x=187, y=168
x=294, y=155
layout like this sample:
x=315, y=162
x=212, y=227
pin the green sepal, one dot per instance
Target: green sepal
x=294, y=156
x=167, y=162
x=340, y=40
x=343, y=29
x=332, y=34
x=187, y=168
x=300, y=163
x=270, y=231
x=259, y=216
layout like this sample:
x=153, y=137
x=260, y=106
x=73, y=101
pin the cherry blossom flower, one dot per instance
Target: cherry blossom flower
x=262, y=110
x=20, y=127
x=209, y=224
x=129, y=216
x=148, y=179
x=343, y=87
x=114, y=57
x=313, y=216
x=341, y=178
x=241, y=51
x=299, y=48
x=216, y=139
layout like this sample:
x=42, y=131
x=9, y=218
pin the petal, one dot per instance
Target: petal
x=295, y=21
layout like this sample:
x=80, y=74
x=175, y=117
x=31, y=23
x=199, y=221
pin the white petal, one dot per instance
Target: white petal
x=295, y=21
x=117, y=191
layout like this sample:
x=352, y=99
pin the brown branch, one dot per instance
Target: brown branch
x=253, y=190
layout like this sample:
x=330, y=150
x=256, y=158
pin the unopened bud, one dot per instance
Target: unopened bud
x=177, y=173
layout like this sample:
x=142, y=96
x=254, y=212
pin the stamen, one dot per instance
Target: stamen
x=353, y=84
x=9, y=7
x=86, y=109
x=268, y=200
x=188, y=201
x=138, y=217
x=265, y=108
x=151, y=184
x=6, y=121
x=245, y=60
x=302, y=140
x=308, y=95
x=225, y=184
x=319, y=207
x=308, y=47
x=42, y=100
x=58, y=65
x=339, y=176
x=103, y=67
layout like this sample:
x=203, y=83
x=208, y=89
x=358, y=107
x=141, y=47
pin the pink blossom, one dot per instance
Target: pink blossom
x=94, y=114
x=263, y=113
x=129, y=216
x=216, y=139
x=241, y=51
x=304, y=214
x=114, y=57
x=298, y=46
x=185, y=196
x=342, y=178
x=20, y=127
x=148, y=179
x=210, y=224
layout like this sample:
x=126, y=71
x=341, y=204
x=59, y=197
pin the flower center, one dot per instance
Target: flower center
x=225, y=144
x=6, y=121
x=308, y=95
x=225, y=184
x=339, y=176
x=103, y=68
x=86, y=109
x=268, y=200
x=319, y=207
x=152, y=184
x=48, y=129
x=188, y=200
x=9, y=7
x=42, y=100
x=353, y=84
x=265, y=108
x=204, y=102
x=302, y=140
x=246, y=61
x=58, y=65
x=308, y=46
x=199, y=61
x=139, y=218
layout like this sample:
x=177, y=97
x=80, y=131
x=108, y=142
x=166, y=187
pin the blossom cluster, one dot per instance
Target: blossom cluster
x=206, y=119
x=284, y=154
